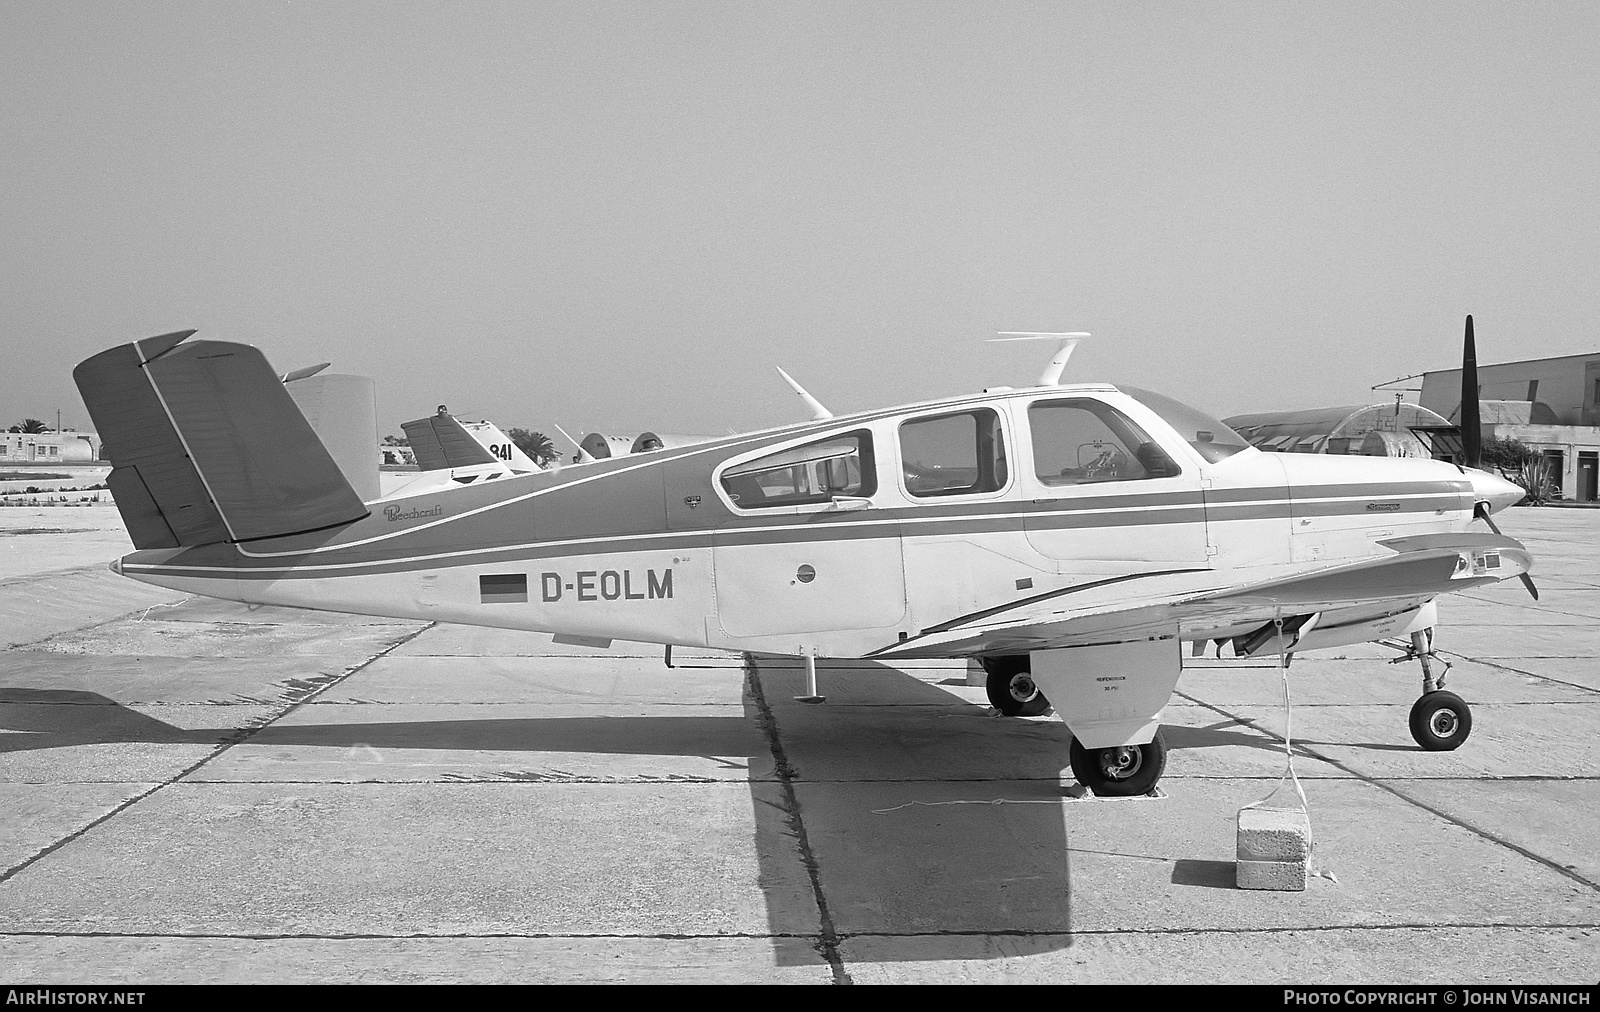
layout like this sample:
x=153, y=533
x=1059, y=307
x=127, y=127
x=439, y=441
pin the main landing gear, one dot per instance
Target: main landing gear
x=1440, y=721
x=1124, y=771
x=1009, y=684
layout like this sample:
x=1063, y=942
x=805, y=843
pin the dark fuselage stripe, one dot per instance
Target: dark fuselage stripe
x=797, y=531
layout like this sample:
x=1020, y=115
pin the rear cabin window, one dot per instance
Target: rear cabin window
x=956, y=454
x=1082, y=441
x=811, y=473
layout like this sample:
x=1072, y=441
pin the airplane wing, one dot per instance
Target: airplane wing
x=1147, y=605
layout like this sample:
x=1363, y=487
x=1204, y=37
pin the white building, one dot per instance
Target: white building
x=1552, y=404
x=65, y=447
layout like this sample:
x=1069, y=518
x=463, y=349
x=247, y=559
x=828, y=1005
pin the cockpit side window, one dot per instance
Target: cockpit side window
x=810, y=473
x=957, y=454
x=1080, y=441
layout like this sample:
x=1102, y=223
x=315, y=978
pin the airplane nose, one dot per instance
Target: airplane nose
x=1494, y=490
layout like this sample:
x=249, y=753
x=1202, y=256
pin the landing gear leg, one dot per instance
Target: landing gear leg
x=811, y=695
x=1440, y=721
x=1422, y=647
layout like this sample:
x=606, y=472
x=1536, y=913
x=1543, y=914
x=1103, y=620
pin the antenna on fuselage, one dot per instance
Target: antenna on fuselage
x=583, y=455
x=818, y=412
x=1051, y=376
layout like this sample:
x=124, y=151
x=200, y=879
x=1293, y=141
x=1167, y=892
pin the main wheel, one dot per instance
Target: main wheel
x=1440, y=721
x=1010, y=686
x=1121, y=772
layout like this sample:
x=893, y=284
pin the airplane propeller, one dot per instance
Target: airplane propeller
x=1472, y=433
x=1471, y=426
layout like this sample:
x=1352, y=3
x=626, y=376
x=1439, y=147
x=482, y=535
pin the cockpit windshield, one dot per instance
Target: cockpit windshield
x=1210, y=438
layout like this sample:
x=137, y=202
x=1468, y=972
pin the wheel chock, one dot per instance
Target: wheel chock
x=1272, y=848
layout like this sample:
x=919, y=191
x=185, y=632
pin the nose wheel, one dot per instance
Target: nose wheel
x=1009, y=684
x=1440, y=721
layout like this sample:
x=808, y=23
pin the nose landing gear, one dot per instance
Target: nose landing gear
x=1440, y=721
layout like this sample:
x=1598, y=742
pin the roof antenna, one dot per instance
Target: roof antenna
x=583, y=455
x=818, y=412
x=1051, y=377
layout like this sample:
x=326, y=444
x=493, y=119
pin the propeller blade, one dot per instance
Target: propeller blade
x=1481, y=511
x=1471, y=427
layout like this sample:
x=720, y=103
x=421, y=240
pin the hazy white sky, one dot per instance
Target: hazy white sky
x=622, y=215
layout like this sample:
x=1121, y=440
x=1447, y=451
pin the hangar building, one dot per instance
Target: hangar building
x=1552, y=404
x=65, y=447
x=1368, y=430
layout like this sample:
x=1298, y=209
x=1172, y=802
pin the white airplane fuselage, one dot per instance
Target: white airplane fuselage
x=864, y=544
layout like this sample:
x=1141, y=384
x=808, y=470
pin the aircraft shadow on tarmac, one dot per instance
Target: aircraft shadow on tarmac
x=892, y=782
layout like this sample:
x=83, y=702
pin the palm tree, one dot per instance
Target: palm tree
x=31, y=425
x=536, y=445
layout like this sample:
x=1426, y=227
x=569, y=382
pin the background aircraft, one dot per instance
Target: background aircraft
x=1070, y=537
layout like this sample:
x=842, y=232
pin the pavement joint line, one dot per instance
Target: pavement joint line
x=699, y=782
x=1436, y=812
x=828, y=944
x=1527, y=674
x=843, y=936
x=29, y=645
x=239, y=735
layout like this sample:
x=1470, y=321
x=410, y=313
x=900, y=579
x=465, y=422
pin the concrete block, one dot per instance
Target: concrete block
x=1284, y=876
x=1266, y=834
x=1272, y=847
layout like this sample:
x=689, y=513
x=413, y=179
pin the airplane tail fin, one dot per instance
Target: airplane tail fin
x=207, y=445
x=501, y=446
x=439, y=441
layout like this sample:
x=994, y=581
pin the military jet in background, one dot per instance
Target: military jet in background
x=1068, y=536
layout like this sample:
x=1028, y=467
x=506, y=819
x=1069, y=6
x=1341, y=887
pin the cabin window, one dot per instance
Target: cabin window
x=840, y=465
x=956, y=454
x=1082, y=441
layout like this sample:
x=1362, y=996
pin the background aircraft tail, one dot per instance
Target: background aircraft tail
x=343, y=412
x=207, y=445
x=439, y=441
x=500, y=445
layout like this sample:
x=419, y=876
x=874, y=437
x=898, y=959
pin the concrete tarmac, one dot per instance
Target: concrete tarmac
x=198, y=792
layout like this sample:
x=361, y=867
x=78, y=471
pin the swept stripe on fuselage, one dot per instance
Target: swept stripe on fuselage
x=625, y=505
x=400, y=553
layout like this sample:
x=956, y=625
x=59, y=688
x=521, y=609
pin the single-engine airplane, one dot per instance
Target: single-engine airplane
x=1069, y=537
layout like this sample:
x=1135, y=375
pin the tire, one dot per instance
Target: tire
x=1122, y=772
x=1010, y=686
x=1440, y=721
